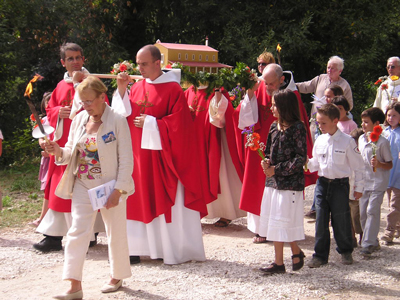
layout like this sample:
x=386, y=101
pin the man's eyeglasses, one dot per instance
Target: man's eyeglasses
x=262, y=64
x=85, y=103
x=72, y=59
x=391, y=67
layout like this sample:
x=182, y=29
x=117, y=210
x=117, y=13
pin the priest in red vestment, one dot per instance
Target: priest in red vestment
x=58, y=219
x=165, y=210
x=255, y=110
x=217, y=153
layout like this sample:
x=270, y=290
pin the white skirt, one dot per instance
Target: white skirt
x=281, y=217
x=176, y=242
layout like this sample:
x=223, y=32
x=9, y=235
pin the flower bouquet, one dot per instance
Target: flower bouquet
x=253, y=141
x=125, y=66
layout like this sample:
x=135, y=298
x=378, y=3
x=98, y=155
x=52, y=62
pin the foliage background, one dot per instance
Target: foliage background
x=364, y=33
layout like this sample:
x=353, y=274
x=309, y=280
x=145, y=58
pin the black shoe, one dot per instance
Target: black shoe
x=94, y=243
x=48, y=244
x=134, y=260
x=312, y=214
x=300, y=264
x=273, y=268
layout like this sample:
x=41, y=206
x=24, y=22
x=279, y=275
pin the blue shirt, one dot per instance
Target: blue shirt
x=393, y=137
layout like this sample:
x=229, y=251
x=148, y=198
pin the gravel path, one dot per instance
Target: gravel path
x=230, y=272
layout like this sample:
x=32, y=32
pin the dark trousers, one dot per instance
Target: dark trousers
x=332, y=200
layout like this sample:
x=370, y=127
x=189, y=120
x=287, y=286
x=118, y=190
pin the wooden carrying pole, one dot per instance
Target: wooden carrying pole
x=111, y=76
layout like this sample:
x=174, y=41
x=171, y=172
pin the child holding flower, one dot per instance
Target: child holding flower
x=281, y=216
x=375, y=150
x=393, y=135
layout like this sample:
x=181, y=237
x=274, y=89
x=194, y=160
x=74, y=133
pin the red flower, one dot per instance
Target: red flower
x=255, y=146
x=232, y=98
x=378, y=82
x=384, y=87
x=378, y=129
x=256, y=137
x=168, y=66
x=122, y=67
x=247, y=69
x=35, y=126
x=374, y=137
x=32, y=118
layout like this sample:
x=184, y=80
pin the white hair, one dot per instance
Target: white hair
x=396, y=58
x=338, y=61
x=273, y=67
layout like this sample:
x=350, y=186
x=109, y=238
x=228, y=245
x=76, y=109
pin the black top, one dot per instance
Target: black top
x=287, y=151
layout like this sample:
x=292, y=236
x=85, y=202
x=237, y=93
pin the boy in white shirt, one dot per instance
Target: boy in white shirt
x=335, y=156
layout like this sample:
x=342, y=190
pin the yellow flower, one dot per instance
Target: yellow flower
x=394, y=77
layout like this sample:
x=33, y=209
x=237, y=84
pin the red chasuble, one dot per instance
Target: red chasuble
x=63, y=95
x=254, y=178
x=156, y=172
x=209, y=140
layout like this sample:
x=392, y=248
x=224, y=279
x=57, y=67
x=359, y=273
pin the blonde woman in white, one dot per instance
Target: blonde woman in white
x=98, y=150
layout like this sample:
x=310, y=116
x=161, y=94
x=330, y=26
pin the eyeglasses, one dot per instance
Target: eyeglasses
x=86, y=103
x=390, y=67
x=72, y=59
x=262, y=64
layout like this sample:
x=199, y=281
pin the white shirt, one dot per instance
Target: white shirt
x=1, y=136
x=375, y=181
x=336, y=156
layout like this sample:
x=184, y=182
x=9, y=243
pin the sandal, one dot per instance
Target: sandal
x=273, y=269
x=300, y=264
x=257, y=239
x=222, y=222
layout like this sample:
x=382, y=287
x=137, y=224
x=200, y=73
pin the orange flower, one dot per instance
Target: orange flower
x=35, y=126
x=32, y=118
x=256, y=137
x=378, y=129
x=378, y=81
x=232, y=98
x=255, y=146
x=374, y=137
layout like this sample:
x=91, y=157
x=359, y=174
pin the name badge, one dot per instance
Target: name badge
x=109, y=137
x=338, y=151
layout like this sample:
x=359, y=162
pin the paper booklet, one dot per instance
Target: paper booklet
x=99, y=195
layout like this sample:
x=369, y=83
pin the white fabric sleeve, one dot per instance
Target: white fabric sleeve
x=217, y=111
x=248, y=114
x=151, y=135
x=75, y=106
x=356, y=163
x=58, y=133
x=121, y=105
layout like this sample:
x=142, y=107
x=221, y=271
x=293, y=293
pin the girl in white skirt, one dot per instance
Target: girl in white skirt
x=281, y=217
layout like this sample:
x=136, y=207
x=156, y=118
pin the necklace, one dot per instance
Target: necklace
x=94, y=121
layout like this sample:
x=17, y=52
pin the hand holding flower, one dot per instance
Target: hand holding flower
x=270, y=171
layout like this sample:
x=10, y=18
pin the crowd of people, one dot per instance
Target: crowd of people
x=171, y=157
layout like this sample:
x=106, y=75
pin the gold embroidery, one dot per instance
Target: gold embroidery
x=265, y=111
x=195, y=107
x=144, y=103
x=68, y=100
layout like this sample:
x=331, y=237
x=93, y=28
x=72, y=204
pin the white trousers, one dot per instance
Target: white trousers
x=78, y=236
